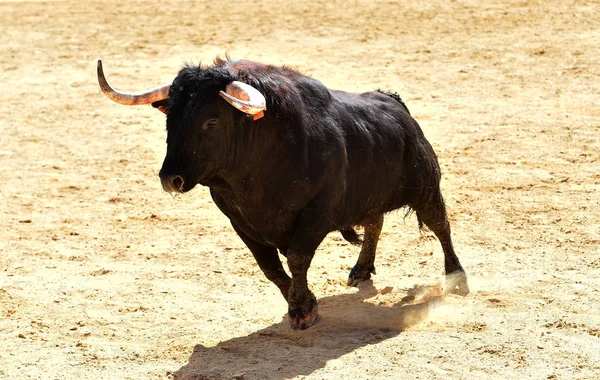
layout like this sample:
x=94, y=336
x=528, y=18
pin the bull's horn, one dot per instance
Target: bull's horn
x=244, y=97
x=132, y=99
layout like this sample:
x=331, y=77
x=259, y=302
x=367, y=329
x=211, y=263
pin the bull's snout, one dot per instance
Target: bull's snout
x=172, y=183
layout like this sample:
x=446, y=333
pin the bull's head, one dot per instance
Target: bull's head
x=200, y=125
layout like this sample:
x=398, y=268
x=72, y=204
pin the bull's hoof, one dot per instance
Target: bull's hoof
x=456, y=283
x=360, y=274
x=303, y=315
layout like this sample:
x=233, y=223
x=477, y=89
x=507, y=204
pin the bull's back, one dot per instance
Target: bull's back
x=388, y=158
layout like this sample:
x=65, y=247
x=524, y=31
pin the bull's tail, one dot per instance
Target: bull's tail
x=351, y=236
x=421, y=224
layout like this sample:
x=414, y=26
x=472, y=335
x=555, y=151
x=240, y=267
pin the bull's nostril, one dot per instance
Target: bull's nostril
x=177, y=183
x=171, y=183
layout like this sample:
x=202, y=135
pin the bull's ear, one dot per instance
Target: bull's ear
x=162, y=105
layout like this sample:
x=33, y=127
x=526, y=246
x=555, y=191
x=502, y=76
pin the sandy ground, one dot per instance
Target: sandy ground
x=103, y=275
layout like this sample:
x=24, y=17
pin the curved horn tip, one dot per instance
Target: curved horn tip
x=104, y=86
x=130, y=99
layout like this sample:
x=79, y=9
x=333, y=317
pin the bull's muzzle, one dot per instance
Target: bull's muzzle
x=172, y=183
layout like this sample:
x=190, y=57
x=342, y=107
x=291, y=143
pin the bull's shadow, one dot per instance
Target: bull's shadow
x=345, y=324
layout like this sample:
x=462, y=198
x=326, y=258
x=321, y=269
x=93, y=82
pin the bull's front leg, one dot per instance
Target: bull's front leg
x=268, y=261
x=302, y=304
x=312, y=227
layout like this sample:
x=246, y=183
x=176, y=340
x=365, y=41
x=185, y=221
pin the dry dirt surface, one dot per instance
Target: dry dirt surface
x=105, y=276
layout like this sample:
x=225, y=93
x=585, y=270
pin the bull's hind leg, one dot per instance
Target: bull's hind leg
x=366, y=260
x=433, y=214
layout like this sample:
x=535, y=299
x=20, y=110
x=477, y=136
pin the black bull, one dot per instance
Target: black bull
x=298, y=162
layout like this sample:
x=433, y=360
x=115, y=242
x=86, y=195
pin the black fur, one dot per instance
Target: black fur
x=396, y=96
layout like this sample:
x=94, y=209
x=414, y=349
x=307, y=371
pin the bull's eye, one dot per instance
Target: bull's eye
x=211, y=123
